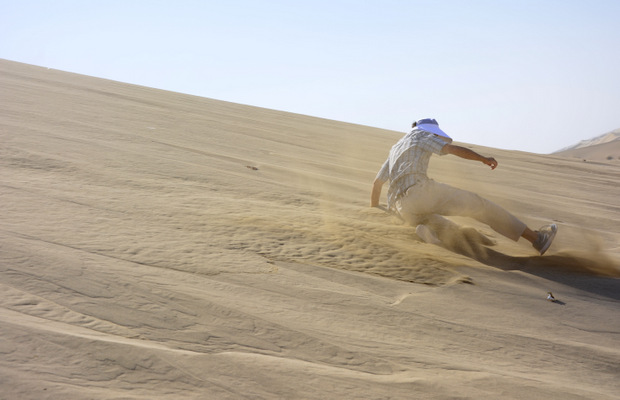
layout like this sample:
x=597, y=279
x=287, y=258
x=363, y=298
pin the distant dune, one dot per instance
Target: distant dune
x=155, y=245
x=601, y=148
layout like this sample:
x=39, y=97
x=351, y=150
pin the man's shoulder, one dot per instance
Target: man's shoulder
x=417, y=135
x=432, y=142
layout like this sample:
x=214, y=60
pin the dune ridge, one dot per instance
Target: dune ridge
x=605, y=148
x=160, y=245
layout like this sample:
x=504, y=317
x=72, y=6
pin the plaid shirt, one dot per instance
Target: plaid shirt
x=408, y=162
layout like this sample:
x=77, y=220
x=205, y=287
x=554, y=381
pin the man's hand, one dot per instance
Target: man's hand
x=490, y=161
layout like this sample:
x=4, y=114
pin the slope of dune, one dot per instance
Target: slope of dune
x=598, y=140
x=160, y=245
x=602, y=152
x=605, y=148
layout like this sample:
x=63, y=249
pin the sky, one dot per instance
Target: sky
x=535, y=76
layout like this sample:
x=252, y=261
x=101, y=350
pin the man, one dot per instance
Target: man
x=422, y=202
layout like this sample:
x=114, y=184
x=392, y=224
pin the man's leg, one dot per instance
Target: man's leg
x=432, y=197
x=530, y=235
x=437, y=198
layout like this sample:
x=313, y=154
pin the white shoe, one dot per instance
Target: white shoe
x=426, y=234
x=545, y=238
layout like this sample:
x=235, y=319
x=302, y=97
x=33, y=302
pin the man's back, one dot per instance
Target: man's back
x=408, y=162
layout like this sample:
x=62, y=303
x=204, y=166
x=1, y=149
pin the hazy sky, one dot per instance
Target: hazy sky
x=527, y=75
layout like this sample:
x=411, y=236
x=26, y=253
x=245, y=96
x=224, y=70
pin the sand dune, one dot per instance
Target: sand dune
x=603, y=148
x=608, y=152
x=598, y=140
x=160, y=245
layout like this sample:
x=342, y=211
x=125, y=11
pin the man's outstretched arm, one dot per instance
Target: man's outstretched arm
x=376, y=192
x=469, y=154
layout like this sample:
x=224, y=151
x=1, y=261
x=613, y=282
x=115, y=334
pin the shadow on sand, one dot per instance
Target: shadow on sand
x=594, y=272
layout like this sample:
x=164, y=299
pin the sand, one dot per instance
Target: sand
x=155, y=245
x=604, y=152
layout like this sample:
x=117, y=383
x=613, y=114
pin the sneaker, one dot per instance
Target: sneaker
x=545, y=238
x=426, y=234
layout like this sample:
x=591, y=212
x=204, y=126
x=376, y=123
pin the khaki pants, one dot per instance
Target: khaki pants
x=427, y=200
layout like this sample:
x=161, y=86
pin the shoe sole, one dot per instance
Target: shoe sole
x=552, y=230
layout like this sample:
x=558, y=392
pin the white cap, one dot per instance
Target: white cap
x=431, y=125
